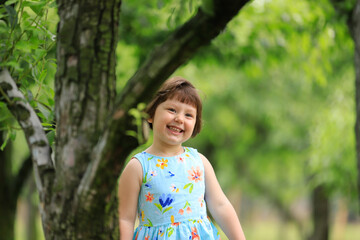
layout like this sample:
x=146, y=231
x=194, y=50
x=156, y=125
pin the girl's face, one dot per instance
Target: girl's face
x=173, y=122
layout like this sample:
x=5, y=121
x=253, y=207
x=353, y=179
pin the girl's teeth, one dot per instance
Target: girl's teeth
x=175, y=129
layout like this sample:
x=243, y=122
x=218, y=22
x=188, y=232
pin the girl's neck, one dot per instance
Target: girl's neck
x=163, y=151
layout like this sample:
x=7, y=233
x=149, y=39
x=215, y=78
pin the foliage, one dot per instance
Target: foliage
x=284, y=71
x=27, y=34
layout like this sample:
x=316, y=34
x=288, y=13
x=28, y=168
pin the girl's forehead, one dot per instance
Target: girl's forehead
x=178, y=102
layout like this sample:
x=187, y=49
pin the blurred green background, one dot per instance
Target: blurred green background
x=279, y=113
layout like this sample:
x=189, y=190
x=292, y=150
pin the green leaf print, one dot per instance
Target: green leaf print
x=170, y=231
x=158, y=206
x=150, y=158
x=191, y=187
x=187, y=204
x=167, y=209
x=144, y=179
x=149, y=223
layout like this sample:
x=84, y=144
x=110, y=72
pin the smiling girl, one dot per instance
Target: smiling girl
x=170, y=186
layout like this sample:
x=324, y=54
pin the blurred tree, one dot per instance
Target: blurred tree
x=285, y=71
x=10, y=187
x=76, y=192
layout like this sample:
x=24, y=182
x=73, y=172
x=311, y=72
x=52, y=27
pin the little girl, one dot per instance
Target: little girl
x=170, y=186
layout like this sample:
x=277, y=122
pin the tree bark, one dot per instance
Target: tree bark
x=354, y=27
x=84, y=95
x=7, y=213
x=321, y=212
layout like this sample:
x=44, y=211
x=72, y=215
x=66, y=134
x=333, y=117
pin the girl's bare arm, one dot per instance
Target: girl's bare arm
x=219, y=205
x=128, y=193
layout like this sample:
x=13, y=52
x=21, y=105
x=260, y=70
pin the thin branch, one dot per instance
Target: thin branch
x=34, y=133
x=9, y=102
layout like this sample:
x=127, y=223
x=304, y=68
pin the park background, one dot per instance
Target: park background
x=278, y=88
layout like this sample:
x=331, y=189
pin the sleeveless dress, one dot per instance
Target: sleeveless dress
x=171, y=200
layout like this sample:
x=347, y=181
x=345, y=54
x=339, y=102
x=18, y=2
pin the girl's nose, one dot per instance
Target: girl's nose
x=179, y=119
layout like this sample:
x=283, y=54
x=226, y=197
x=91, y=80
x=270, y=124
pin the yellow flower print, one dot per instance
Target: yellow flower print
x=142, y=216
x=162, y=163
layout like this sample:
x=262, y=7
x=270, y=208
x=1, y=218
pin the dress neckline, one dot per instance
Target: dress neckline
x=177, y=155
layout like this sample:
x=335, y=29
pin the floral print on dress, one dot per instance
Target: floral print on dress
x=195, y=174
x=162, y=163
x=164, y=203
x=171, y=203
x=149, y=197
x=194, y=234
x=174, y=188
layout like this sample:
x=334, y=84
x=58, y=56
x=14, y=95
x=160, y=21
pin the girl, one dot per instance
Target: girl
x=170, y=186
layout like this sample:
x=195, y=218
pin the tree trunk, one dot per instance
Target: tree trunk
x=354, y=25
x=320, y=214
x=85, y=92
x=7, y=203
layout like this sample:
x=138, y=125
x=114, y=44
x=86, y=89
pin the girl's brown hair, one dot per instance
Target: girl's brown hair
x=180, y=89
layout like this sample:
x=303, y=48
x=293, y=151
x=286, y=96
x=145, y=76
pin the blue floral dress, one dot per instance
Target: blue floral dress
x=171, y=200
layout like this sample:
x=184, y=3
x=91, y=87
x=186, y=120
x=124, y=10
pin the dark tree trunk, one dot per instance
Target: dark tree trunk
x=354, y=25
x=7, y=203
x=352, y=16
x=85, y=93
x=320, y=214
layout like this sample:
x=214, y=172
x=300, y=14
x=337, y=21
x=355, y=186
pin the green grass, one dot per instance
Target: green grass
x=276, y=231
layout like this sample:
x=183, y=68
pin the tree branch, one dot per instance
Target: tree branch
x=181, y=46
x=34, y=133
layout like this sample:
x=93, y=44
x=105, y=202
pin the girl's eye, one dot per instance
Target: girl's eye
x=171, y=110
x=189, y=115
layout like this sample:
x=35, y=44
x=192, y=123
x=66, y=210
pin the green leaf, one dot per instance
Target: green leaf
x=51, y=101
x=44, y=110
x=39, y=53
x=23, y=45
x=170, y=231
x=149, y=223
x=191, y=188
x=191, y=185
x=131, y=133
x=187, y=185
x=144, y=180
x=12, y=135
x=37, y=7
x=10, y=2
x=158, y=206
x=5, y=140
x=51, y=137
x=169, y=20
x=167, y=209
x=42, y=75
x=14, y=64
